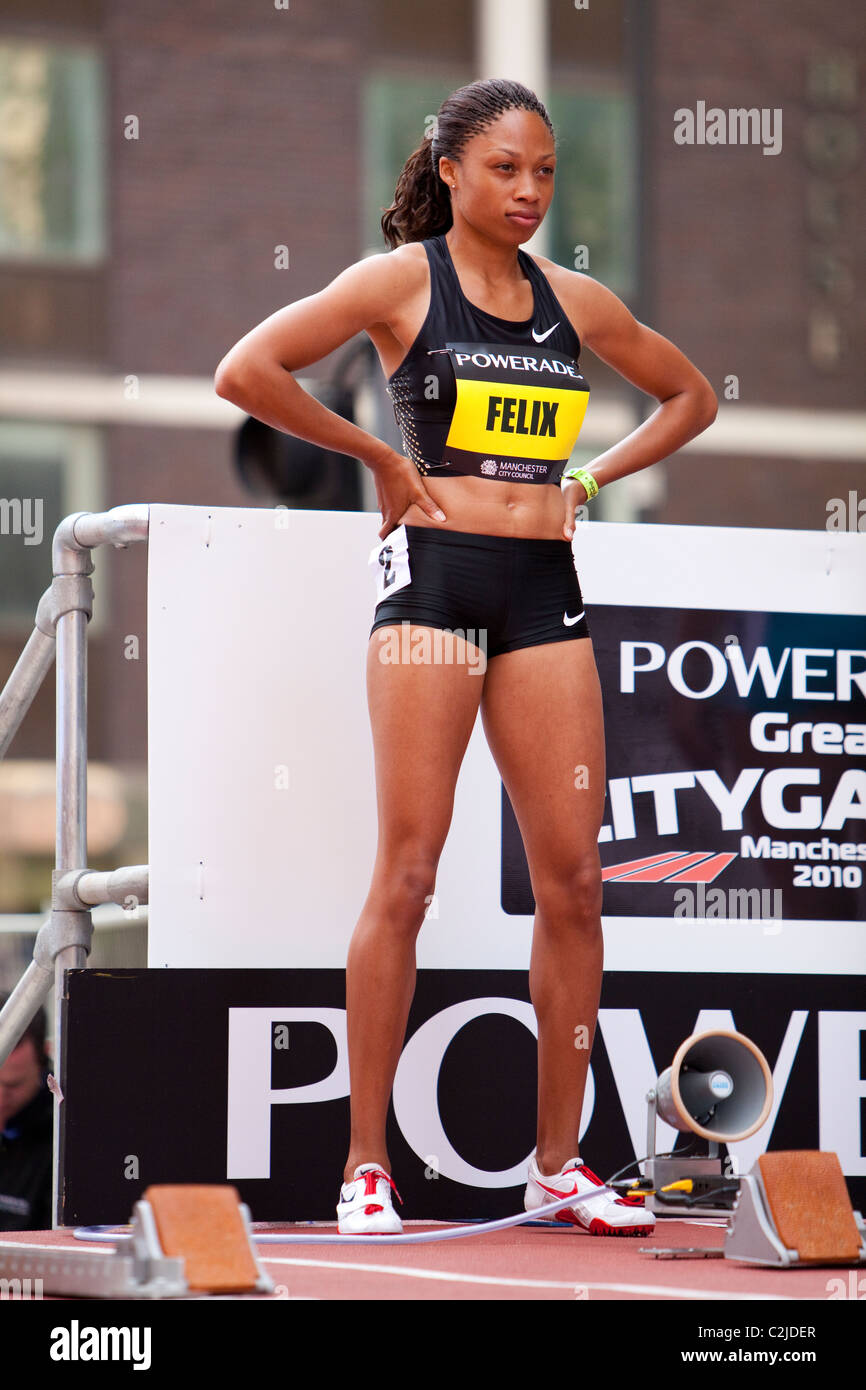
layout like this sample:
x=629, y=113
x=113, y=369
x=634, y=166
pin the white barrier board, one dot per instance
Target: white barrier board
x=262, y=809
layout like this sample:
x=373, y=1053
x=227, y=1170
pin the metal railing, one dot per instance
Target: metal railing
x=60, y=634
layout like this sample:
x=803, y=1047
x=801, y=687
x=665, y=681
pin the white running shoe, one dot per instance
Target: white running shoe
x=365, y=1206
x=603, y=1215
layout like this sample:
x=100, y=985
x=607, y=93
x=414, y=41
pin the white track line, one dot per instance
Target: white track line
x=59, y=1250
x=411, y=1272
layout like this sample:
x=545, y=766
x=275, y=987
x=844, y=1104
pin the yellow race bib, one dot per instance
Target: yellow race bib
x=517, y=413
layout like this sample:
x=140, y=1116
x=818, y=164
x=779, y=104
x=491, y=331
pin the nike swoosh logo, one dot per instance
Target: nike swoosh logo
x=555, y=1192
x=570, y=622
x=540, y=337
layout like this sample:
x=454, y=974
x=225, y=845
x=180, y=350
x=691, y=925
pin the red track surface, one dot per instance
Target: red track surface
x=521, y=1263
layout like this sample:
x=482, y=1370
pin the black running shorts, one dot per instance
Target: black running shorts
x=512, y=591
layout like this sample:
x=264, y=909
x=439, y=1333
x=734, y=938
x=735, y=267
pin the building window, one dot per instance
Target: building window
x=52, y=153
x=47, y=471
x=596, y=176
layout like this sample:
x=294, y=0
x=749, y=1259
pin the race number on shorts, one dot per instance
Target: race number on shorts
x=390, y=562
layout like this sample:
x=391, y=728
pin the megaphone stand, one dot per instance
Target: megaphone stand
x=705, y=1174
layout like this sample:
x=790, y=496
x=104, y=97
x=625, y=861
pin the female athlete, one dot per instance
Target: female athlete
x=479, y=342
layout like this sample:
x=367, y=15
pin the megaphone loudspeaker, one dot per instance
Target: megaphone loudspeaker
x=719, y=1086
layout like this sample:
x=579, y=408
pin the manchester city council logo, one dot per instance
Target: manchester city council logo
x=488, y=466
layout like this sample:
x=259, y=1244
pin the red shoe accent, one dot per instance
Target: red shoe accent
x=568, y=1216
x=368, y=1211
x=370, y=1186
x=588, y=1173
x=636, y=1199
x=554, y=1191
x=597, y=1227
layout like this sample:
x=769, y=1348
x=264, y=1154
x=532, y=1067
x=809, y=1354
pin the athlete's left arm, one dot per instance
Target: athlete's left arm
x=687, y=401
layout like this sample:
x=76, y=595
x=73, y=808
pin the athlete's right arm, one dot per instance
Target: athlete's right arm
x=256, y=374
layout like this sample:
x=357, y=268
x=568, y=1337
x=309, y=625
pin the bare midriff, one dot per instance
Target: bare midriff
x=492, y=507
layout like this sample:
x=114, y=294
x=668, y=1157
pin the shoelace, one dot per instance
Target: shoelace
x=372, y=1177
x=587, y=1173
x=628, y=1201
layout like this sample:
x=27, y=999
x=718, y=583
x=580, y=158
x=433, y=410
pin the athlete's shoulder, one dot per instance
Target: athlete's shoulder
x=395, y=268
x=408, y=263
x=399, y=271
x=572, y=284
x=379, y=283
x=588, y=303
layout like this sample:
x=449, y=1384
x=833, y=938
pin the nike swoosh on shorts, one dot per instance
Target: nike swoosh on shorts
x=570, y=622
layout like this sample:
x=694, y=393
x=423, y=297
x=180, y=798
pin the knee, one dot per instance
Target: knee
x=571, y=894
x=407, y=883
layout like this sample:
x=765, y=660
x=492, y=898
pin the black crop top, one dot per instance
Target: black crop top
x=482, y=396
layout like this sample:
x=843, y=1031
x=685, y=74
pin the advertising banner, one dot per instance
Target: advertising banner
x=736, y=766
x=242, y=1076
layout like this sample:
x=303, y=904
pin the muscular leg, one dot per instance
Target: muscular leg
x=559, y=810
x=422, y=717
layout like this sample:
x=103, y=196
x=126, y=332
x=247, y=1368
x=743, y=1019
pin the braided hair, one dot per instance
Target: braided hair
x=422, y=204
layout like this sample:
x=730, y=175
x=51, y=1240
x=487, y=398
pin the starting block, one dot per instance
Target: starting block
x=186, y=1241
x=792, y=1210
